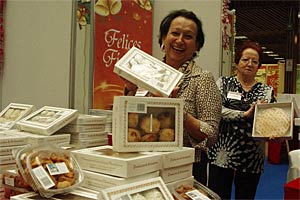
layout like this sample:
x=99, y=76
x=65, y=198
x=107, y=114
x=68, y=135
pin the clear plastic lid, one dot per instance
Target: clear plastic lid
x=192, y=190
x=49, y=169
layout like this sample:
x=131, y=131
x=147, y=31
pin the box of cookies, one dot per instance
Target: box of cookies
x=103, y=159
x=273, y=120
x=47, y=120
x=13, y=113
x=147, y=124
x=176, y=173
x=153, y=188
x=147, y=72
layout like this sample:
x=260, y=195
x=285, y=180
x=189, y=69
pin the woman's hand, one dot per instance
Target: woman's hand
x=250, y=112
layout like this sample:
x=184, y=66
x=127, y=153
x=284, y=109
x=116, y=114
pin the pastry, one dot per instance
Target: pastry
x=150, y=124
x=167, y=120
x=133, y=120
x=134, y=135
x=272, y=122
x=167, y=135
x=150, y=137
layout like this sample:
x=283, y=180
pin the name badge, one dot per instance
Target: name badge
x=234, y=95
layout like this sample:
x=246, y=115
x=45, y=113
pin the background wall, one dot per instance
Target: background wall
x=38, y=55
x=209, y=12
x=37, y=52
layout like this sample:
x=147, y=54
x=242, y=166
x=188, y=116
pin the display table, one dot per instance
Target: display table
x=292, y=189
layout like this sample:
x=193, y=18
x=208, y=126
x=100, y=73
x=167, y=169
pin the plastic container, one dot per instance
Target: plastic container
x=192, y=190
x=49, y=169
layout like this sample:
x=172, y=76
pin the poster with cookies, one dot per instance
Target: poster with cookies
x=119, y=25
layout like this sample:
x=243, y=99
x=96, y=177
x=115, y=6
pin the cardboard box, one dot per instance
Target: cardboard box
x=176, y=173
x=47, y=120
x=147, y=72
x=75, y=128
x=102, y=112
x=8, y=138
x=153, y=188
x=89, y=143
x=173, y=184
x=147, y=124
x=183, y=156
x=7, y=159
x=261, y=109
x=88, y=135
x=104, y=160
x=89, y=119
x=79, y=194
x=34, y=139
x=9, y=150
x=99, y=181
x=13, y=113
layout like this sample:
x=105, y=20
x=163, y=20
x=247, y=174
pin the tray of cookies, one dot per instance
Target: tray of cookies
x=13, y=113
x=147, y=72
x=47, y=120
x=147, y=124
x=49, y=169
x=273, y=120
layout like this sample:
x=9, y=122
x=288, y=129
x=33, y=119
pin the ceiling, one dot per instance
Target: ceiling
x=265, y=22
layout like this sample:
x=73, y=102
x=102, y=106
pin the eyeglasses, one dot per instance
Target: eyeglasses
x=247, y=61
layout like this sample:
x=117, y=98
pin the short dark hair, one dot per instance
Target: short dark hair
x=246, y=45
x=166, y=23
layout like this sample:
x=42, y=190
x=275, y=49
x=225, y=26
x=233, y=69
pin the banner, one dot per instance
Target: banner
x=119, y=25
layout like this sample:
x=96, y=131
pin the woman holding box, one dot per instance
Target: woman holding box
x=237, y=157
x=181, y=38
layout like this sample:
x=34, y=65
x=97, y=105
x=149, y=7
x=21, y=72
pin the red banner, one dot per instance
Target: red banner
x=119, y=25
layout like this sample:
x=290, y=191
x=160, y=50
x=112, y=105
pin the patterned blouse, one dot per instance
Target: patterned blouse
x=203, y=101
x=236, y=149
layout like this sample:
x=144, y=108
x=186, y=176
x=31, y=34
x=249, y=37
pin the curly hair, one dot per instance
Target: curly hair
x=247, y=45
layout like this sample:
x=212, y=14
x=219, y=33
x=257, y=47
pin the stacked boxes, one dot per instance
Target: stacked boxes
x=87, y=131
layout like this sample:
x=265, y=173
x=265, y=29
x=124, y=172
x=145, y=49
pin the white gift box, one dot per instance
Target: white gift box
x=89, y=143
x=104, y=160
x=13, y=113
x=80, y=194
x=9, y=150
x=176, y=173
x=287, y=107
x=147, y=72
x=153, y=188
x=89, y=119
x=34, y=139
x=75, y=128
x=179, y=157
x=7, y=159
x=47, y=120
x=8, y=138
x=88, y=135
x=295, y=98
x=147, y=124
x=100, y=181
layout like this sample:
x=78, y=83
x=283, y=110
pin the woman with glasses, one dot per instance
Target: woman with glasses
x=237, y=157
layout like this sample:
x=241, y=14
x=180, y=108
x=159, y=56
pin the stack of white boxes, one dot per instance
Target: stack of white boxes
x=87, y=131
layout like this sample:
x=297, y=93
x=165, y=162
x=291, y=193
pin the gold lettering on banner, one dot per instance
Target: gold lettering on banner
x=115, y=41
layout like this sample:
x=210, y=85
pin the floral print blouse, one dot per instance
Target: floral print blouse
x=235, y=148
x=202, y=99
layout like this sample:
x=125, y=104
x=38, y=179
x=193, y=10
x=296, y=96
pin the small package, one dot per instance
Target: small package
x=49, y=169
x=8, y=138
x=47, y=120
x=192, y=190
x=13, y=113
x=147, y=72
x=147, y=124
x=153, y=188
x=273, y=120
x=89, y=119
